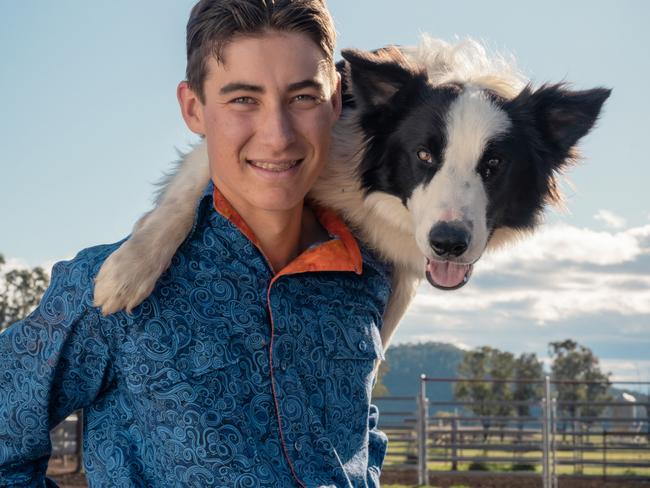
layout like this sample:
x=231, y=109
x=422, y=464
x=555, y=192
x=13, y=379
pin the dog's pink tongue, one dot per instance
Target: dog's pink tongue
x=447, y=275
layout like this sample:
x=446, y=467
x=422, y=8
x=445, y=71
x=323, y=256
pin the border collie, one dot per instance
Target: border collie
x=442, y=152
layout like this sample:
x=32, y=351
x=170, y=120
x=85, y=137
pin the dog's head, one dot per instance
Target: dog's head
x=465, y=163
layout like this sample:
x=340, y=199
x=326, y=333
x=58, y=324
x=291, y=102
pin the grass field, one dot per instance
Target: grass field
x=403, y=452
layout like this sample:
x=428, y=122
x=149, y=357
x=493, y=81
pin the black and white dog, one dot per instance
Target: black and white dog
x=442, y=152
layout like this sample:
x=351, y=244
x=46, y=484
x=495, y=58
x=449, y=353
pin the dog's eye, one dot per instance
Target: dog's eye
x=425, y=156
x=488, y=169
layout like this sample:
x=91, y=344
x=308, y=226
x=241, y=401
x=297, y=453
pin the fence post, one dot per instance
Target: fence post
x=546, y=430
x=604, y=454
x=423, y=473
x=454, y=443
x=79, y=441
x=553, y=441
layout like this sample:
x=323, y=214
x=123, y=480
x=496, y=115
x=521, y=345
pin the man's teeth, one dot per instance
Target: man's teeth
x=275, y=166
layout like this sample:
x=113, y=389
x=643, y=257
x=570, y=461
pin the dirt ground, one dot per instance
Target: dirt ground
x=69, y=480
x=509, y=480
x=478, y=480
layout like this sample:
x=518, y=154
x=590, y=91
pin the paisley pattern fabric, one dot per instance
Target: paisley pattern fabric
x=226, y=376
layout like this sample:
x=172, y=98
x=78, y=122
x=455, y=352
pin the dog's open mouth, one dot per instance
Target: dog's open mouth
x=447, y=275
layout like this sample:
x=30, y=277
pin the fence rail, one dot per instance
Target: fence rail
x=544, y=440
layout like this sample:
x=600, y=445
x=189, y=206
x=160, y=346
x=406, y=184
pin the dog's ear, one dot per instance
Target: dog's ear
x=554, y=118
x=563, y=116
x=376, y=76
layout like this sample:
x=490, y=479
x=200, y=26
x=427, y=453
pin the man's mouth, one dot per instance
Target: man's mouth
x=275, y=166
x=446, y=275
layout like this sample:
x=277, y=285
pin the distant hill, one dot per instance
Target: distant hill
x=406, y=362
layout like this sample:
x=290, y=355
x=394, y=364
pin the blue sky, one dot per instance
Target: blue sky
x=89, y=121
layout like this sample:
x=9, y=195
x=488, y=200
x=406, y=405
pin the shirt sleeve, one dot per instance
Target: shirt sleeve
x=51, y=363
x=377, y=445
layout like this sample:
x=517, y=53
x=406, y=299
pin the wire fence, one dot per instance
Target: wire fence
x=546, y=440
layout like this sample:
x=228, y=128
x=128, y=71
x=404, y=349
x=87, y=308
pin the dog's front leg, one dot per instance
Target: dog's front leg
x=404, y=287
x=129, y=275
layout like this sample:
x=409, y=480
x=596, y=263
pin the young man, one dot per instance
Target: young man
x=251, y=362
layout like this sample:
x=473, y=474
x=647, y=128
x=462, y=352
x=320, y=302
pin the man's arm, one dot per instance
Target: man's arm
x=51, y=363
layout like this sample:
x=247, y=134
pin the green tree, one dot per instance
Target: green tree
x=20, y=292
x=380, y=389
x=490, y=364
x=571, y=361
x=530, y=371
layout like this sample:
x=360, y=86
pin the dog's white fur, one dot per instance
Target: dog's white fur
x=456, y=192
x=379, y=220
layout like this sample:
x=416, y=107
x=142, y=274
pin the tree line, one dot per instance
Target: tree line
x=20, y=291
x=570, y=361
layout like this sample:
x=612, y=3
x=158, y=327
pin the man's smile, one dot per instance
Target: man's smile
x=275, y=166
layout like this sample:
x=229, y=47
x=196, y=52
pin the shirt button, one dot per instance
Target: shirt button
x=284, y=365
x=363, y=346
x=297, y=446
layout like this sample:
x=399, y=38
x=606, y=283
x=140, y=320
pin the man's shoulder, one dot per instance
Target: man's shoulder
x=72, y=281
x=85, y=265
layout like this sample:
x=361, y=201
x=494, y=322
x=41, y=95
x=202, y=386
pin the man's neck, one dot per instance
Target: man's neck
x=282, y=234
x=278, y=232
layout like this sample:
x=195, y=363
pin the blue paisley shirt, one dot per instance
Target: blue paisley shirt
x=228, y=375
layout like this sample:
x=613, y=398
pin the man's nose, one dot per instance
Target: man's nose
x=278, y=131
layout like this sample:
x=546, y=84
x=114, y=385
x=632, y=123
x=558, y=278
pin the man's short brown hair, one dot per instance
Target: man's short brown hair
x=215, y=23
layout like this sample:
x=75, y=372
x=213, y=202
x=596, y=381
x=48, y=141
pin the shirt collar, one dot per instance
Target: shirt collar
x=341, y=253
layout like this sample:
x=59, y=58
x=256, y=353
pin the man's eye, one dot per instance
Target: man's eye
x=306, y=98
x=242, y=100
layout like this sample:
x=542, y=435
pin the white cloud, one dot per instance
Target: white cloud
x=20, y=263
x=640, y=232
x=577, y=294
x=562, y=242
x=610, y=219
x=562, y=282
x=566, y=302
x=14, y=263
x=627, y=370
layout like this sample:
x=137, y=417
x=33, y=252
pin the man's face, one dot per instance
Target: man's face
x=267, y=118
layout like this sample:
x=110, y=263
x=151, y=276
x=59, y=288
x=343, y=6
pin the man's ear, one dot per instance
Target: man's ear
x=376, y=76
x=191, y=108
x=337, y=97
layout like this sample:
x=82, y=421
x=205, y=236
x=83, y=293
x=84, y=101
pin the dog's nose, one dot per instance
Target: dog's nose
x=449, y=239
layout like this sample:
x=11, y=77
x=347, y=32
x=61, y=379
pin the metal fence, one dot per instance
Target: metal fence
x=547, y=440
x=66, y=443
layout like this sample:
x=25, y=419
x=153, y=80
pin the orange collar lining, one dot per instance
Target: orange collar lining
x=340, y=254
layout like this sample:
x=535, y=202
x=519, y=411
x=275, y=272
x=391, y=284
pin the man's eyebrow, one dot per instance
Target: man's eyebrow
x=239, y=86
x=310, y=83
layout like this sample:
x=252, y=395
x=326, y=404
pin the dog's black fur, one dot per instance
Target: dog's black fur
x=441, y=153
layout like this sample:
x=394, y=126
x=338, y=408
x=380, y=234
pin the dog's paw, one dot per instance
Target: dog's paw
x=125, y=279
